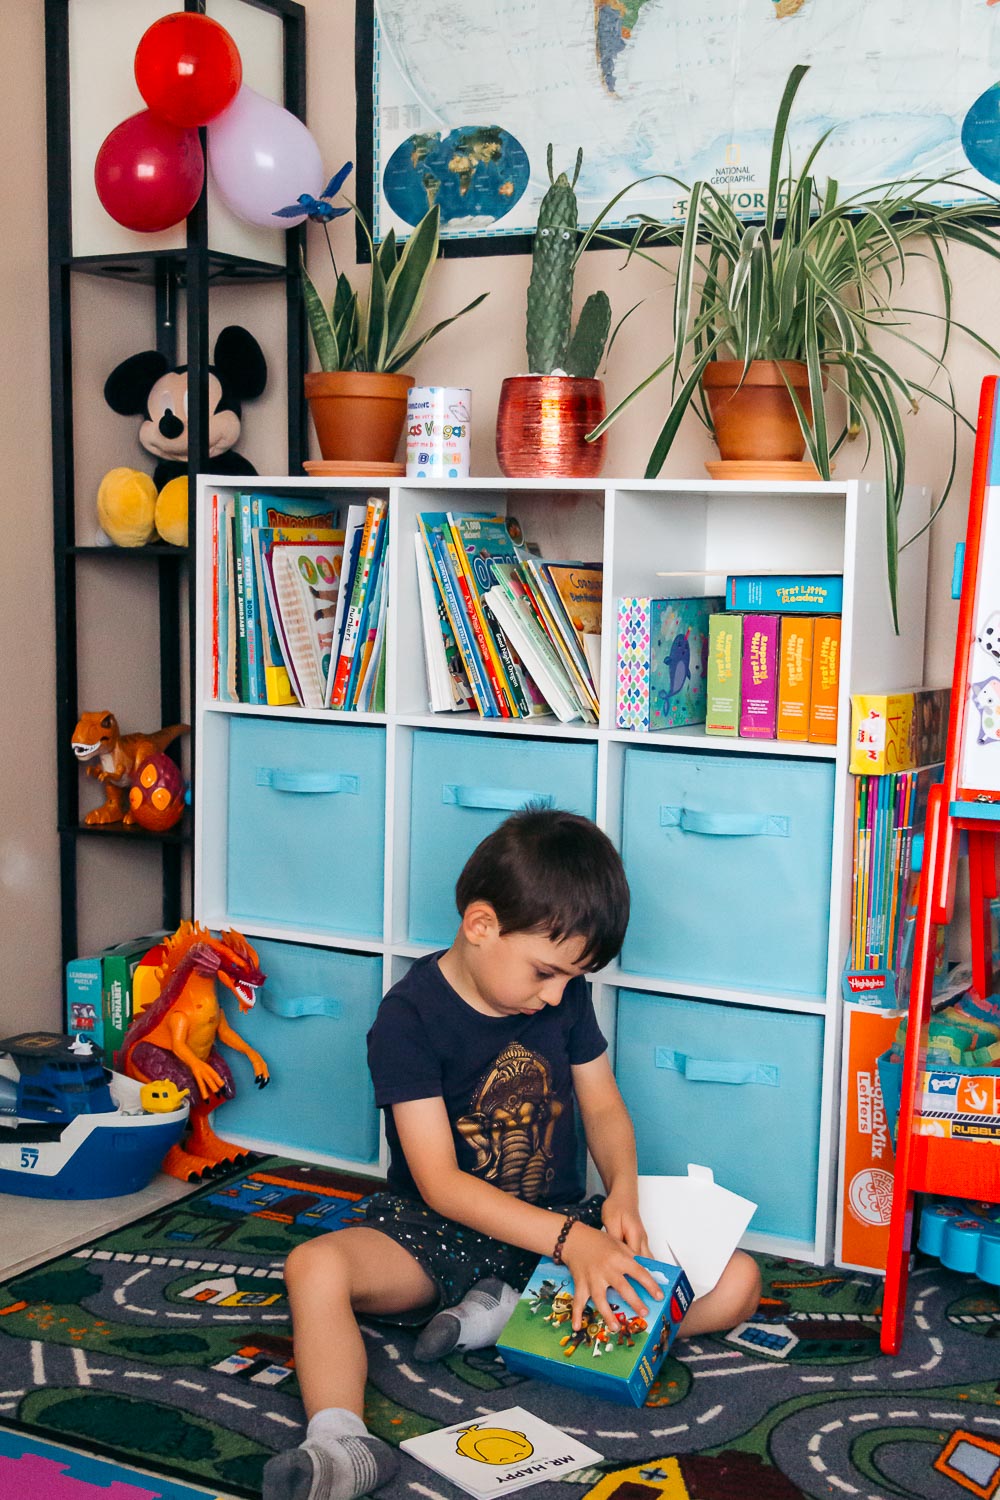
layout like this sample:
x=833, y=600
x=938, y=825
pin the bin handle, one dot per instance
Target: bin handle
x=717, y=1070
x=493, y=798
x=312, y=782
x=291, y=1007
x=726, y=824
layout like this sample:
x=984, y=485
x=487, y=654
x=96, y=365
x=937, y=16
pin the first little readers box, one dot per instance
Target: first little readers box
x=618, y=1363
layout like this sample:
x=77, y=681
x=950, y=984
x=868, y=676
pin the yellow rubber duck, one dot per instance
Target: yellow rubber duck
x=161, y=1097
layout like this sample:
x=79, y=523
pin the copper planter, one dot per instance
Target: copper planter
x=542, y=423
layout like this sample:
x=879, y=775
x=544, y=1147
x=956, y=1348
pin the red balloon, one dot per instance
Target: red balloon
x=149, y=174
x=188, y=68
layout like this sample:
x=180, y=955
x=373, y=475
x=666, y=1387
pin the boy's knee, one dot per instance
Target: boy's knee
x=744, y=1287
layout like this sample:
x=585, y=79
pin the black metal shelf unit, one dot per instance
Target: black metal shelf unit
x=193, y=271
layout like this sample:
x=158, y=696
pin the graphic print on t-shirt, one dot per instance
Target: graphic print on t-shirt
x=511, y=1117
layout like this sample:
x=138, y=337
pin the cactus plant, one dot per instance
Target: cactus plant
x=551, y=347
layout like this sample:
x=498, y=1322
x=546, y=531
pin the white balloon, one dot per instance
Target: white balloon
x=262, y=158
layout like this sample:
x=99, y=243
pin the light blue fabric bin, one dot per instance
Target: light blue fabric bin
x=463, y=786
x=307, y=825
x=729, y=1087
x=729, y=860
x=309, y=1024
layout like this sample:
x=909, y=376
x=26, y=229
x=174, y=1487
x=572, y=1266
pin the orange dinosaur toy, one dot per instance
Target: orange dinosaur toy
x=116, y=758
x=174, y=1038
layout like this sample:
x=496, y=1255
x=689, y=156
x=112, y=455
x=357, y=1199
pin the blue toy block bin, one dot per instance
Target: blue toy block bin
x=729, y=860
x=463, y=786
x=307, y=825
x=309, y=1024
x=732, y=1087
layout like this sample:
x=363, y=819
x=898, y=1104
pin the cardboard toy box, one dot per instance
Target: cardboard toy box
x=867, y=1167
x=619, y=1363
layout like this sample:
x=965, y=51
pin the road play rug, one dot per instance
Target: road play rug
x=167, y=1345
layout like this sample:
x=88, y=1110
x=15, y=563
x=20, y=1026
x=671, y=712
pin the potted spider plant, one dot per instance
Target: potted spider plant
x=543, y=417
x=804, y=302
x=357, y=398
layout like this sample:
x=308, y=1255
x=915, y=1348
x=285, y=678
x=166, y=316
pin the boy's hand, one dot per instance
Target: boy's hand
x=600, y=1263
x=620, y=1217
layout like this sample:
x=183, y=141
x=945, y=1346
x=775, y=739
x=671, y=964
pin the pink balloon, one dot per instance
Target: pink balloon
x=262, y=157
x=149, y=174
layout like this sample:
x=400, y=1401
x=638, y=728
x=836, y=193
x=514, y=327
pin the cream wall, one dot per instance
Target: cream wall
x=119, y=663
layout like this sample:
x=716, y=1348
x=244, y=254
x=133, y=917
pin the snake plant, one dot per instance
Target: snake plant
x=821, y=281
x=551, y=345
x=374, y=334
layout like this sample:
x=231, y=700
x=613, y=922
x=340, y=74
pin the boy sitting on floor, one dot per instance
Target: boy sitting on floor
x=480, y=1056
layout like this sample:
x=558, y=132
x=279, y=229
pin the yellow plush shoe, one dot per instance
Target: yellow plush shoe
x=126, y=502
x=172, y=511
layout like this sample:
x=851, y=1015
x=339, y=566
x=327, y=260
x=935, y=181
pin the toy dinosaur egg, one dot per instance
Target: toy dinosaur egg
x=156, y=800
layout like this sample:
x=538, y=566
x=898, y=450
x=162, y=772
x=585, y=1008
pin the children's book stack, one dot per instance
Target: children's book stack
x=888, y=814
x=99, y=992
x=506, y=633
x=760, y=662
x=300, y=601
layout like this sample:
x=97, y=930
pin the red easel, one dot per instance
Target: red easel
x=931, y=1164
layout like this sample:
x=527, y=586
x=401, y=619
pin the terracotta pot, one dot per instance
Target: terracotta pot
x=356, y=414
x=756, y=420
x=542, y=422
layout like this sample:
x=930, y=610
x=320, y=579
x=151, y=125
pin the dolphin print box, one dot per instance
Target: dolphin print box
x=662, y=662
x=618, y=1363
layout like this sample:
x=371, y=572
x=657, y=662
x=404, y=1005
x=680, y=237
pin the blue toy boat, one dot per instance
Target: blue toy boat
x=71, y=1128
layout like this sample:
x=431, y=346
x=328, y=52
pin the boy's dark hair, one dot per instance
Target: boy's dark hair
x=544, y=870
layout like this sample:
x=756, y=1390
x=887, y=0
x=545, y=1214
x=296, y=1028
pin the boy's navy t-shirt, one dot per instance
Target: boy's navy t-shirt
x=505, y=1081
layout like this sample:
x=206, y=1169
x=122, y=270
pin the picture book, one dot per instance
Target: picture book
x=297, y=637
x=508, y=602
x=368, y=620
x=786, y=593
x=692, y=1221
x=354, y=530
x=759, y=677
x=374, y=518
x=581, y=591
x=278, y=689
x=84, y=1016
x=480, y=541
x=561, y=632
x=118, y=964
x=217, y=507
x=825, y=682
x=431, y=529
x=447, y=684
x=317, y=568
x=795, y=650
x=618, y=1362
x=661, y=675
x=722, y=688
x=500, y=1451
x=898, y=731
x=228, y=677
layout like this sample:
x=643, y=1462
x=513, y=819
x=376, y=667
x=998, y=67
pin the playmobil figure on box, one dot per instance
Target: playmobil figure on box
x=71, y=1128
x=617, y=1362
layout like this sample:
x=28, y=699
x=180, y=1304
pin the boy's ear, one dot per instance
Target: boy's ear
x=479, y=923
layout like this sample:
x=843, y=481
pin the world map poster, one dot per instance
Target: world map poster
x=465, y=100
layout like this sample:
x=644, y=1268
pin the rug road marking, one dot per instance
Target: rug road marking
x=817, y=1463
x=743, y=1369
x=666, y=1431
x=392, y=1351
x=817, y=1379
x=37, y=1363
x=411, y=1375
x=817, y=1437
x=859, y=1378
x=713, y=1411
x=423, y=1489
x=190, y=1385
x=141, y=1375
x=987, y=1421
x=864, y=1416
x=234, y=1401
x=6, y=1395
x=9, y=1405
x=599, y=1433
x=921, y=1322
x=841, y=1484
x=85, y=1371
x=719, y=1354
x=446, y=1396
x=275, y=1416
x=189, y=1317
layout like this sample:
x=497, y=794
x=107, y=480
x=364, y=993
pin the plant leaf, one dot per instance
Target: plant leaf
x=320, y=326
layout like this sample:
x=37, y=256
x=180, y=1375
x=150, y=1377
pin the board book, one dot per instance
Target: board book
x=500, y=1451
x=618, y=1363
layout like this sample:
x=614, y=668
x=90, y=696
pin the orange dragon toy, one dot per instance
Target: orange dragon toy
x=174, y=1038
x=116, y=757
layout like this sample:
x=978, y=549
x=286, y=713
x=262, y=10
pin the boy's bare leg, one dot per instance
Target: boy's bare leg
x=734, y=1298
x=330, y=1281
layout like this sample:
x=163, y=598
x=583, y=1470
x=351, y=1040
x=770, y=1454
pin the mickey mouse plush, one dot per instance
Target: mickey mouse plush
x=129, y=509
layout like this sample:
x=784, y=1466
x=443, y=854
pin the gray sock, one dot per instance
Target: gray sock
x=474, y=1323
x=339, y=1460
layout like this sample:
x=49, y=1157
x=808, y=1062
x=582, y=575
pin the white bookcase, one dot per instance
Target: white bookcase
x=639, y=528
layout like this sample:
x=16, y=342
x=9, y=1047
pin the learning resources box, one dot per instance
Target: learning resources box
x=618, y=1363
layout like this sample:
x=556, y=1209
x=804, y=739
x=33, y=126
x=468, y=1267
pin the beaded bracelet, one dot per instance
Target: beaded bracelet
x=567, y=1225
